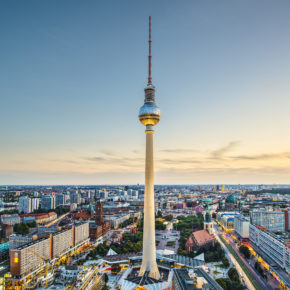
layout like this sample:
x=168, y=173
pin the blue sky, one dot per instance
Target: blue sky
x=72, y=76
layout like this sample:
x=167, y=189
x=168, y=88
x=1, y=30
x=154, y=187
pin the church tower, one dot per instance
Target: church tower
x=208, y=224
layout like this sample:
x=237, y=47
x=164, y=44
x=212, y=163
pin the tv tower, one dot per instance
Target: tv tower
x=149, y=116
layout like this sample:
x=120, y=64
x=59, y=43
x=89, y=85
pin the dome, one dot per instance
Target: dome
x=231, y=199
x=149, y=114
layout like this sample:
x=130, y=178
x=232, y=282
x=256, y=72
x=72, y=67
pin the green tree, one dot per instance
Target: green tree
x=160, y=226
x=106, y=278
x=169, y=218
x=223, y=283
x=233, y=274
x=21, y=229
x=225, y=262
x=159, y=214
x=245, y=251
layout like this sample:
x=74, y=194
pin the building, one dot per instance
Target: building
x=4, y=251
x=226, y=219
x=192, y=279
x=16, y=241
x=35, y=202
x=6, y=231
x=10, y=220
x=200, y=240
x=26, y=258
x=230, y=203
x=116, y=220
x=273, y=246
x=287, y=219
x=208, y=224
x=59, y=199
x=47, y=202
x=99, y=212
x=274, y=221
x=41, y=218
x=75, y=197
x=241, y=226
x=24, y=204
x=100, y=227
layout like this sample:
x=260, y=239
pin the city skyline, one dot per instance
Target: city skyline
x=68, y=74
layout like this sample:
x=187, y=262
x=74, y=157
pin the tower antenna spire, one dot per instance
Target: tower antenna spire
x=149, y=56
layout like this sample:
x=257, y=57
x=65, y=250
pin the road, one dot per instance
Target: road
x=268, y=285
x=260, y=280
x=233, y=260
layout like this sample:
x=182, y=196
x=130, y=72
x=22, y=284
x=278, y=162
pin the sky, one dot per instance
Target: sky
x=72, y=78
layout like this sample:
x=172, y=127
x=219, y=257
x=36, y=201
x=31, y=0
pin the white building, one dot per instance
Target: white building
x=35, y=202
x=10, y=220
x=241, y=226
x=24, y=204
x=273, y=246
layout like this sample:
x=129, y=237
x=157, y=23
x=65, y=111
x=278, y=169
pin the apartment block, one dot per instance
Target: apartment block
x=241, y=226
x=274, y=221
x=277, y=248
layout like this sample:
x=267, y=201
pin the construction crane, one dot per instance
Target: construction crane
x=46, y=261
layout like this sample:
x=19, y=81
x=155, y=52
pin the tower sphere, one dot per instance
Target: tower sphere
x=149, y=114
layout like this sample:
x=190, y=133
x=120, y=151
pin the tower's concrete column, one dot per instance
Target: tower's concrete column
x=149, y=247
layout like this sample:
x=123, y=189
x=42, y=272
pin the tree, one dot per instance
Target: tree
x=32, y=224
x=223, y=283
x=233, y=274
x=169, y=218
x=160, y=225
x=245, y=251
x=21, y=229
x=159, y=214
x=106, y=278
x=225, y=262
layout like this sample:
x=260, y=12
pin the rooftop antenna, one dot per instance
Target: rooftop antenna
x=149, y=56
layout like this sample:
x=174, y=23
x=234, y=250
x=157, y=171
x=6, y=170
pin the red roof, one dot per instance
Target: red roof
x=201, y=237
x=261, y=228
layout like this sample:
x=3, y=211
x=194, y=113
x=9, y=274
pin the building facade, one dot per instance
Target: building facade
x=26, y=258
x=273, y=246
x=274, y=221
x=241, y=226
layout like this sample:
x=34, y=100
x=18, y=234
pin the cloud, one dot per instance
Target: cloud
x=265, y=156
x=179, y=150
x=221, y=152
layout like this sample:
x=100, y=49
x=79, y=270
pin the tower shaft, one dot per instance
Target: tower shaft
x=149, y=247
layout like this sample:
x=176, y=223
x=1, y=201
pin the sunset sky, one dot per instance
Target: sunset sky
x=72, y=75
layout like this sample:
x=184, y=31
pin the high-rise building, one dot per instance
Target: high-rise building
x=47, y=202
x=59, y=199
x=274, y=221
x=75, y=197
x=149, y=116
x=24, y=204
x=35, y=203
